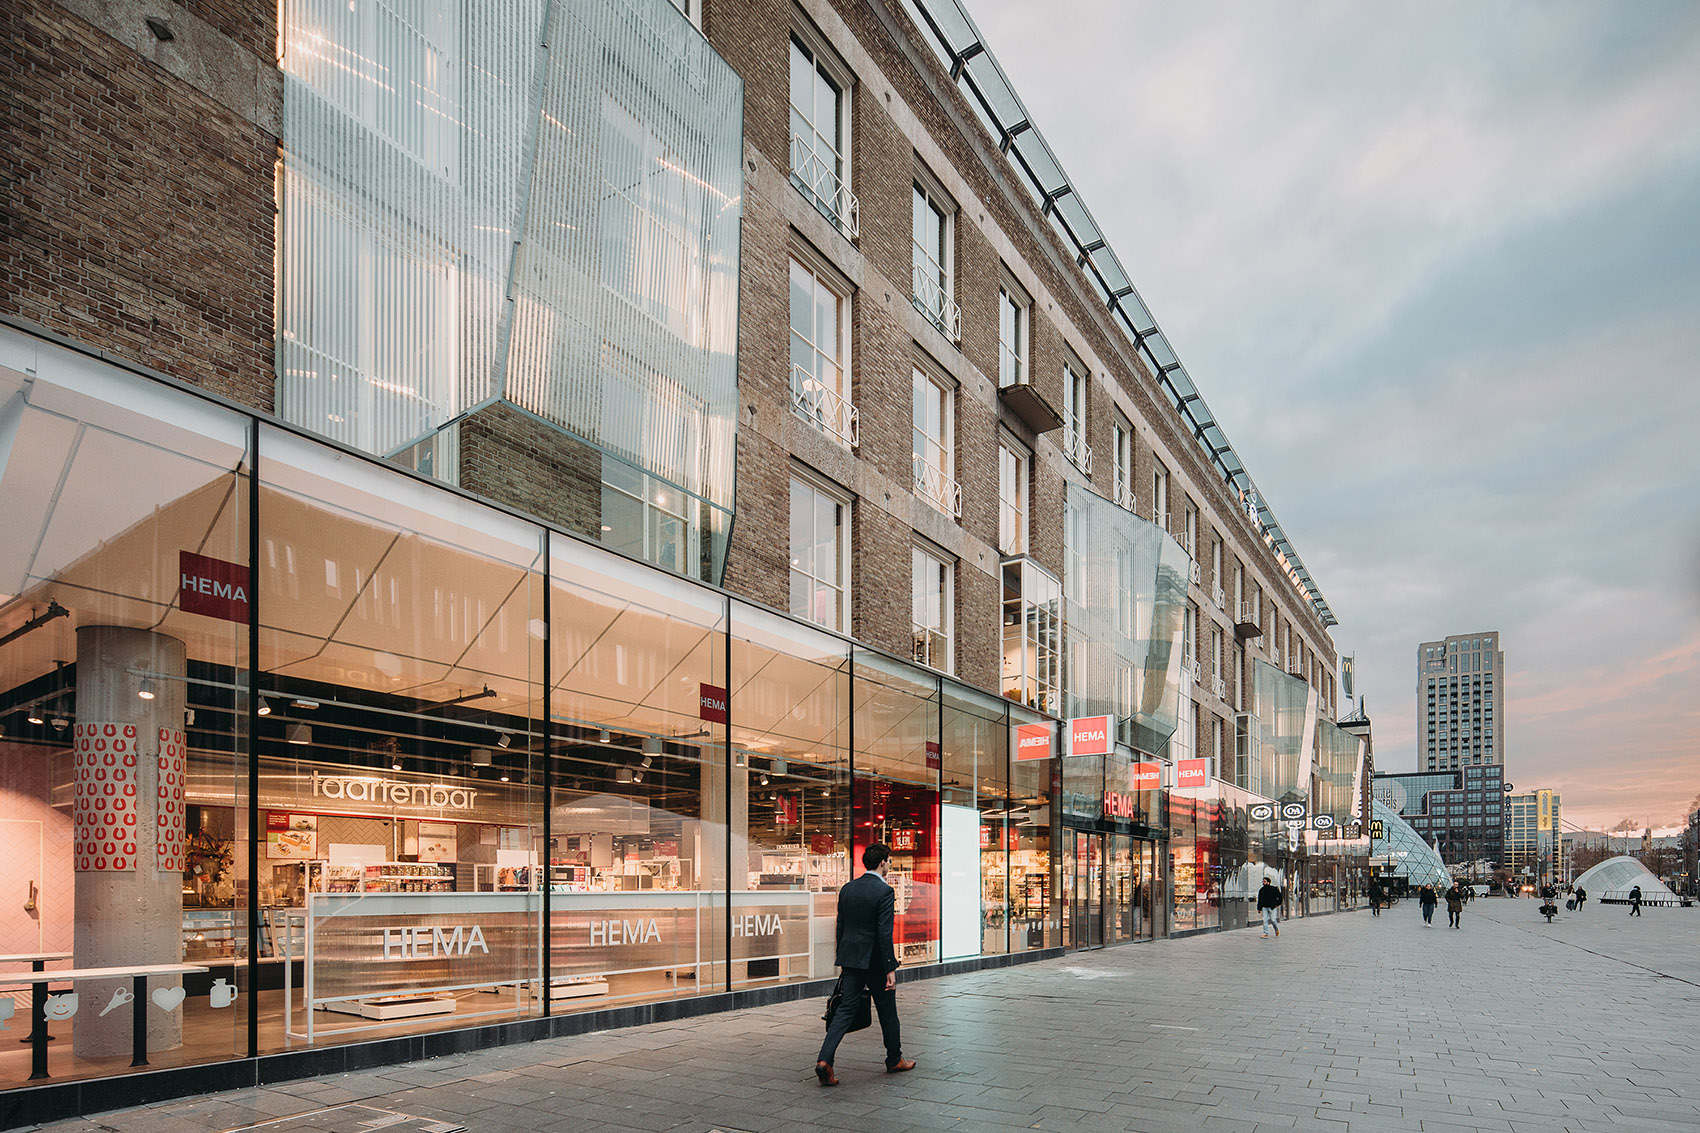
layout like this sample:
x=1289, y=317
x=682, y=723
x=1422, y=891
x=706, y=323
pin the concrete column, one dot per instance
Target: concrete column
x=130, y=915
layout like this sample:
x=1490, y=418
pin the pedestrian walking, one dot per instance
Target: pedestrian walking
x=1426, y=900
x=1581, y=896
x=1635, y=901
x=1374, y=897
x=1454, y=904
x=1269, y=904
x=867, y=961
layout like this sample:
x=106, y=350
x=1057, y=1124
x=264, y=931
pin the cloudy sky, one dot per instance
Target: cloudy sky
x=1436, y=268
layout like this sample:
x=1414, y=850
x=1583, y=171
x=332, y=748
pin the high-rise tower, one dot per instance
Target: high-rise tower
x=1461, y=701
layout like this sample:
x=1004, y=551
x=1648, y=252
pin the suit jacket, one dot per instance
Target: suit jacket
x=866, y=912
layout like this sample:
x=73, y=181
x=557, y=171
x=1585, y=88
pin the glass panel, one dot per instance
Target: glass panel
x=791, y=743
x=125, y=596
x=897, y=792
x=645, y=810
x=976, y=778
x=401, y=657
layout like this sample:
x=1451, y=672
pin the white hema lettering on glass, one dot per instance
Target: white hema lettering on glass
x=757, y=924
x=423, y=943
x=624, y=932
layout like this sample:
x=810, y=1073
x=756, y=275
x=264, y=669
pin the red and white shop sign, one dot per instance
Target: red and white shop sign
x=905, y=840
x=1119, y=805
x=1146, y=776
x=935, y=755
x=212, y=587
x=1192, y=773
x=1032, y=741
x=1091, y=735
x=173, y=749
x=711, y=703
x=103, y=808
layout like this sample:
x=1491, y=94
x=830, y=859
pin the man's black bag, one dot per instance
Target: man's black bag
x=862, y=1018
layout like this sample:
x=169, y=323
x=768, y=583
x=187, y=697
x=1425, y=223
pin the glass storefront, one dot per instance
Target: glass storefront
x=467, y=769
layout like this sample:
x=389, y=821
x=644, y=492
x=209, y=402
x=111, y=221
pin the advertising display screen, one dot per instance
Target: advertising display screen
x=961, y=868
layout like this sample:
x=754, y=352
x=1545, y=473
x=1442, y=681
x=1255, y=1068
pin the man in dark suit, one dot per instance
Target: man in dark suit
x=868, y=957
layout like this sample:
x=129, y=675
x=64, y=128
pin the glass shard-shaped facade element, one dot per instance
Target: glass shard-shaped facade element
x=1407, y=855
x=1339, y=772
x=522, y=204
x=1286, y=735
x=1125, y=596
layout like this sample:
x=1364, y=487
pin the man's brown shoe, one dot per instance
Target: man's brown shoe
x=906, y=1064
x=823, y=1071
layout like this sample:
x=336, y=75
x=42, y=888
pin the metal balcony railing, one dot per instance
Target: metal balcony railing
x=936, y=488
x=1124, y=495
x=932, y=299
x=1074, y=445
x=818, y=180
x=824, y=408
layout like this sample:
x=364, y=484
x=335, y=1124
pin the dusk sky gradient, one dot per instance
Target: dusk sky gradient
x=1436, y=269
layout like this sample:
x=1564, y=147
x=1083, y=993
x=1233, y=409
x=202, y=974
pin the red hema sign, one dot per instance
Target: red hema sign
x=1032, y=741
x=711, y=703
x=212, y=587
x=1192, y=773
x=1147, y=776
x=1090, y=735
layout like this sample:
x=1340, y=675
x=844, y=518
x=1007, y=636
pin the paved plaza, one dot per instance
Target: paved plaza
x=1344, y=1022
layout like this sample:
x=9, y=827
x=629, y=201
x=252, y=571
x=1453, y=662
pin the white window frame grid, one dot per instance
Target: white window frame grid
x=933, y=457
x=1075, y=393
x=822, y=177
x=814, y=398
x=654, y=497
x=1015, y=315
x=1121, y=455
x=1160, y=495
x=934, y=644
x=933, y=278
x=821, y=489
x=1015, y=474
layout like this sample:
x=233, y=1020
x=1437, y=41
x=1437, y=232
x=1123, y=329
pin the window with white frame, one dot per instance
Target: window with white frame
x=648, y=518
x=932, y=435
x=1180, y=744
x=932, y=286
x=1188, y=629
x=820, y=554
x=1075, y=447
x=1218, y=748
x=1189, y=533
x=1013, y=313
x=931, y=597
x=1160, y=496
x=1014, y=470
x=820, y=353
x=1121, y=446
x=820, y=132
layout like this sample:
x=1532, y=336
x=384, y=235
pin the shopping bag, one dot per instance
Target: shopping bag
x=863, y=1016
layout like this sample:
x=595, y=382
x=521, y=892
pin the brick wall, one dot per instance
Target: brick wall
x=137, y=207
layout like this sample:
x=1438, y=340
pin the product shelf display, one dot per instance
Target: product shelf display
x=409, y=877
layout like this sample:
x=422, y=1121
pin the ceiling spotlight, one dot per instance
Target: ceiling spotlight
x=396, y=766
x=60, y=723
x=301, y=702
x=265, y=707
x=622, y=774
x=298, y=733
x=145, y=690
x=651, y=746
x=637, y=776
x=35, y=717
x=481, y=757
x=504, y=778
x=647, y=760
x=764, y=780
x=780, y=767
x=505, y=740
x=602, y=736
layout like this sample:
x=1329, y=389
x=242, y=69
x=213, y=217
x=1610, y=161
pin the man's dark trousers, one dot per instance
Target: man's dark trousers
x=885, y=1002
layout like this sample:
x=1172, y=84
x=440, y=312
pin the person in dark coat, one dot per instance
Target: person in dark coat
x=1581, y=896
x=1635, y=901
x=868, y=960
x=1269, y=904
x=1374, y=897
x=1426, y=900
x=1455, y=904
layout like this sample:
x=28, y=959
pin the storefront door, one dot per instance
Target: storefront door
x=1088, y=890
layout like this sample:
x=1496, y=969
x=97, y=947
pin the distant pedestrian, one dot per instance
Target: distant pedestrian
x=1454, y=904
x=1374, y=897
x=1269, y=904
x=1581, y=897
x=1426, y=900
x=1635, y=901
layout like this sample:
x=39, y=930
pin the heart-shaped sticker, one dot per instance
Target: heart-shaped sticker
x=167, y=998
